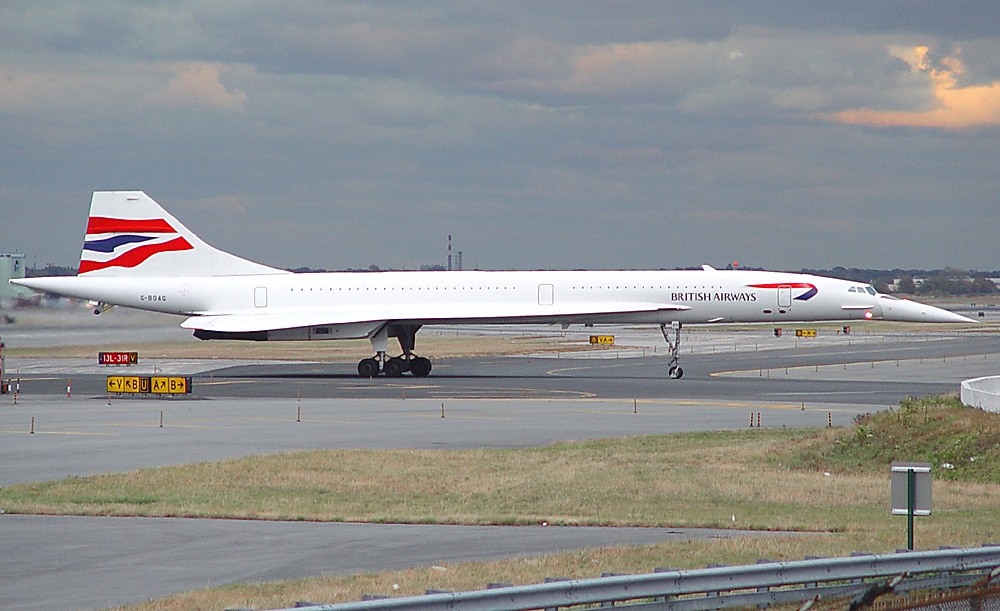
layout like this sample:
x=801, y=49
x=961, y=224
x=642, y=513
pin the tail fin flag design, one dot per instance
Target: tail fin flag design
x=127, y=243
x=130, y=235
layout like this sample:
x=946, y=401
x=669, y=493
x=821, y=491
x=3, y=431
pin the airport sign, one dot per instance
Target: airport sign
x=118, y=358
x=156, y=385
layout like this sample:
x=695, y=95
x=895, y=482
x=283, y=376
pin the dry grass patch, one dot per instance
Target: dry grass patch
x=701, y=479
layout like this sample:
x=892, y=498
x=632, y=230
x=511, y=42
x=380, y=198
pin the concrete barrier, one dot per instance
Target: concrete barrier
x=983, y=393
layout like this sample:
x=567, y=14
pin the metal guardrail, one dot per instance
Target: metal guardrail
x=761, y=584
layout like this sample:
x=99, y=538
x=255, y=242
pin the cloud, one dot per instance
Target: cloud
x=686, y=132
x=955, y=107
x=198, y=85
x=20, y=90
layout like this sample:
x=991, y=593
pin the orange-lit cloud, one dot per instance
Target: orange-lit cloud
x=955, y=107
x=198, y=85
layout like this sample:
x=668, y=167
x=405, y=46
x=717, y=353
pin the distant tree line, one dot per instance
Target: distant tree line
x=939, y=282
x=49, y=270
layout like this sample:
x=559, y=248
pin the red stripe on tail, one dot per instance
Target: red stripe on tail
x=136, y=256
x=100, y=224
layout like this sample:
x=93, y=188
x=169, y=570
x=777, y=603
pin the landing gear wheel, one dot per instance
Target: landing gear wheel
x=420, y=367
x=674, y=371
x=396, y=367
x=368, y=368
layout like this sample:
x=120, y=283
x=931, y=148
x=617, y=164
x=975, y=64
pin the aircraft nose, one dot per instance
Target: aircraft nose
x=905, y=310
x=876, y=309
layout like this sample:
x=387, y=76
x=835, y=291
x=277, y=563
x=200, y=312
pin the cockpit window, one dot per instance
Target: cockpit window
x=851, y=290
x=871, y=291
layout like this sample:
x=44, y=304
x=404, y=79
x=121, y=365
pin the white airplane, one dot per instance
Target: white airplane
x=137, y=255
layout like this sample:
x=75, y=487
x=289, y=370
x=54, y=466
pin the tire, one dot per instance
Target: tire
x=368, y=368
x=420, y=367
x=675, y=373
x=395, y=367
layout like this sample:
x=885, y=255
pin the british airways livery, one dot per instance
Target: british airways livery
x=127, y=243
x=137, y=255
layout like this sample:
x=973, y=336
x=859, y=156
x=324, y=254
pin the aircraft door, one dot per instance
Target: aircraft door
x=784, y=296
x=545, y=294
x=260, y=297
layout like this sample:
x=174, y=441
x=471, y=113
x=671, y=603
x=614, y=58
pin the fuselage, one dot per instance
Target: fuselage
x=569, y=297
x=138, y=255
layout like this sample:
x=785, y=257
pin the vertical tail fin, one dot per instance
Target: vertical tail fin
x=130, y=235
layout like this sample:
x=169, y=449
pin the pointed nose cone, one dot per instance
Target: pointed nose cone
x=905, y=310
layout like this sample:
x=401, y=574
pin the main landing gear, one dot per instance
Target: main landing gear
x=674, y=371
x=396, y=366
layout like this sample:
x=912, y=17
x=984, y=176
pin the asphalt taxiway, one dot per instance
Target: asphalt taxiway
x=910, y=365
x=106, y=562
x=251, y=408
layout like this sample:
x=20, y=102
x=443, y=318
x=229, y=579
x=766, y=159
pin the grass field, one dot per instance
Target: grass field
x=830, y=484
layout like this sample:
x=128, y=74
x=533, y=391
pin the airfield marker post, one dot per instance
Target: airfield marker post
x=911, y=501
x=910, y=493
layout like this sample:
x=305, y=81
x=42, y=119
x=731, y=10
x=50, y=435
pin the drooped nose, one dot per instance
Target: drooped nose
x=905, y=310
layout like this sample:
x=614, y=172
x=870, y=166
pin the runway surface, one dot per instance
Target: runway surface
x=251, y=408
x=154, y=557
x=912, y=371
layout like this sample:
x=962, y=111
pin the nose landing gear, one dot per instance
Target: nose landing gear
x=674, y=370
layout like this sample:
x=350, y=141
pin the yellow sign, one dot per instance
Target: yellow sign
x=161, y=385
x=128, y=384
x=602, y=340
x=170, y=386
x=805, y=333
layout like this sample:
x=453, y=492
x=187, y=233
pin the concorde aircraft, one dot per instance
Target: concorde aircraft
x=136, y=254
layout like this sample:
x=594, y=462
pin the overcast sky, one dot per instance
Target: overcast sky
x=582, y=134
